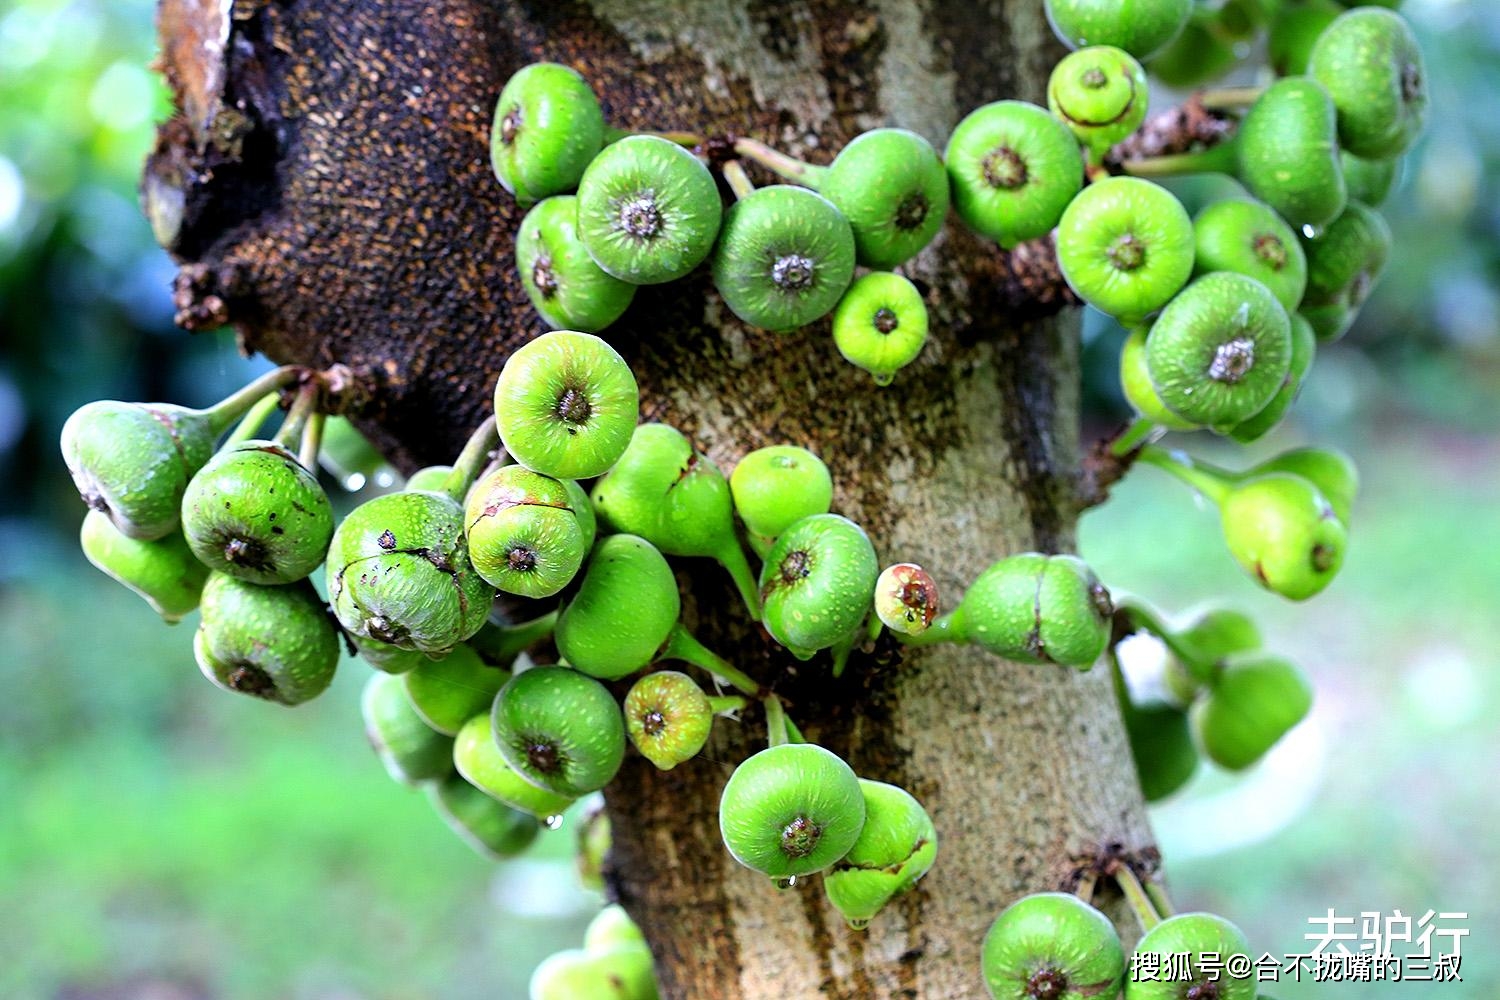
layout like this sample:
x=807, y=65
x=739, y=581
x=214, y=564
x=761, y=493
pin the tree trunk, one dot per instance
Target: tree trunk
x=327, y=189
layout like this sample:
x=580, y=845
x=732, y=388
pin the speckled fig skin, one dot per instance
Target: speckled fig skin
x=132, y=461
x=1369, y=181
x=524, y=535
x=399, y=572
x=565, y=286
x=1288, y=154
x=777, y=486
x=431, y=479
x=791, y=810
x=1304, y=350
x=478, y=759
x=648, y=210
x=560, y=729
x=1220, y=351
x=163, y=571
x=1284, y=533
x=255, y=513
x=448, y=691
x=1034, y=608
x=1052, y=944
x=387, y=658
x=274, y=643
x=891, y=186
x=1196, y=934
x=817, y=583
x=548, y=127
x=1140, y=27
x=668, y=718
x=620, y=973
x=491, y=828
x=880, y=324
x=1135, y=383
x=411, y=750
x=1343, y=264
x=1013, y=169
x=566, y=404
x=897, y=846
x=1372, y=66
x=784, y=257
x=1249, y=238
x=623, y=611
x=1125, y=246
x=906, y=598
x=1101, y=94
x=1330, y=470
x=1252, y=703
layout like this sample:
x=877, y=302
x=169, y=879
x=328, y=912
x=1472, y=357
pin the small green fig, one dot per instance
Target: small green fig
x=525, y=536
x=791, y=810
x=1193, y=58
x=906, y=598
x=1034, y=608
x=896, y=847
x=1288, y=153
x=880, y=324
x=784, y=257
x=1330, y=470
x=817, y=583
x=620, y=973
x=1304, y=350
x=1196, y=935
x=777, y=486
x=1220, y=351
x=891, y=186
x=1125, y=246
x=491, y=828
x=399, y=573
x=256, y=513
x=623, y=611
x=560, y=729
x=1013, y=168
x=1343, y=264
x=548, y=128
x=1161, y=746
x=1252, y=703
x=565, y=405
x=1294, y=30
x=1100, y=92
x=565, y=286
x=1249, y=238
x=163, y=571
x=432, y=479
x=668, y=718
x=478, y=759
x=274, y=643
x=446, y=692
x=1140, y=392
x=132, y=461
x=1284, y=533
x=1369, y=181
x=648, y=210
x=1052, y=945
x=594, y=839
x=411, y=750
x=1372, y=66
x=1214, y=635
x=612, y=928
x=1140, y=27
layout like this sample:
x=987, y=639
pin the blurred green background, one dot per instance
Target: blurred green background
x=159, y=839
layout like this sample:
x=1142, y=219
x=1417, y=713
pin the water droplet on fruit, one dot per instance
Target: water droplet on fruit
x=553, y=822
x=790, y=882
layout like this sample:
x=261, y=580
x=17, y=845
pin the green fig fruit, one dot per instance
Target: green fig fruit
x=906, y=598
x=1304, y=350
x=817, y=583
x=565, y=286
x=1034, y=608
x=1196, y=56
x=621, y=973
x=777, y=486
x=1284, y=533
x=623, y=611
x=791, y=810
x=560, y=729
x=432, y=479
x=274, y=643
x=163, y=571
x=1195, y=935
x=1161, y=746
x=494, y=830
x=1369, y=181
x=1140, y=27
x=896, y=847
x=525, y=535
x=1100, y=92
x=891, y=186
x=446, y=692
x=1214, y=635
x=1125, y=246
x=548, y=128
x=1053, y=945
x=1344, y=262
x=1288, y=153
x=1247, y=237
x=1372, y=66
x=478, y=759
x=1252, y=703
x=880, y=324
x=612, y=928
x=411, y=750
x=565, y=405
x=668, y=718
x=1295, y=27
x=1330, y=470
x=784, y=257
x=1013, y=168
x=1140, y=392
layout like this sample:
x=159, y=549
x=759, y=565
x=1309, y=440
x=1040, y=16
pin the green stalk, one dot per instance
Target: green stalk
x=685, y=139
x=1209, y=480
x=732, y=558
x=1084, y=890
x=303, y=407
x=503, y=643
x=1147, y=620
x=241, y=401
x=472, y=460
x=739, y=182
x=312, y=442
x=250, y=425
x=1136, y=896
x=779, y=163
x=945, y=628
x=1139, y=432
x=1215, y=159
x=681, y=645
x=793, y=733
x=776, y=722
x=719, y=704
x=1229, y=98
x=1159, y=900
x=840, y=652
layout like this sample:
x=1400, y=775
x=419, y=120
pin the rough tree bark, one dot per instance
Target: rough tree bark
x=325, y=185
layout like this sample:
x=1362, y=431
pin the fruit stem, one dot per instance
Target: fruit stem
x=1135, y=895
x=776, y=722
x=291, y=430
x=1084, y=890
x=720, y=704
x=1212, y=482
x=781, y=164
x=502, y=643
x=794, y=734
x=1214, y=159
x=238, y=403
x=1147, y=620
x=739, y=182
x=732, y=558
x=872, y=629
x=681, y=645
x=1229, y=98
x=1138, y=433
x=840, y=652
x=686, y=139
x=312, y=442
x=472, y=460
x=945, y=628
x=250, y=425
x=1159, y=900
